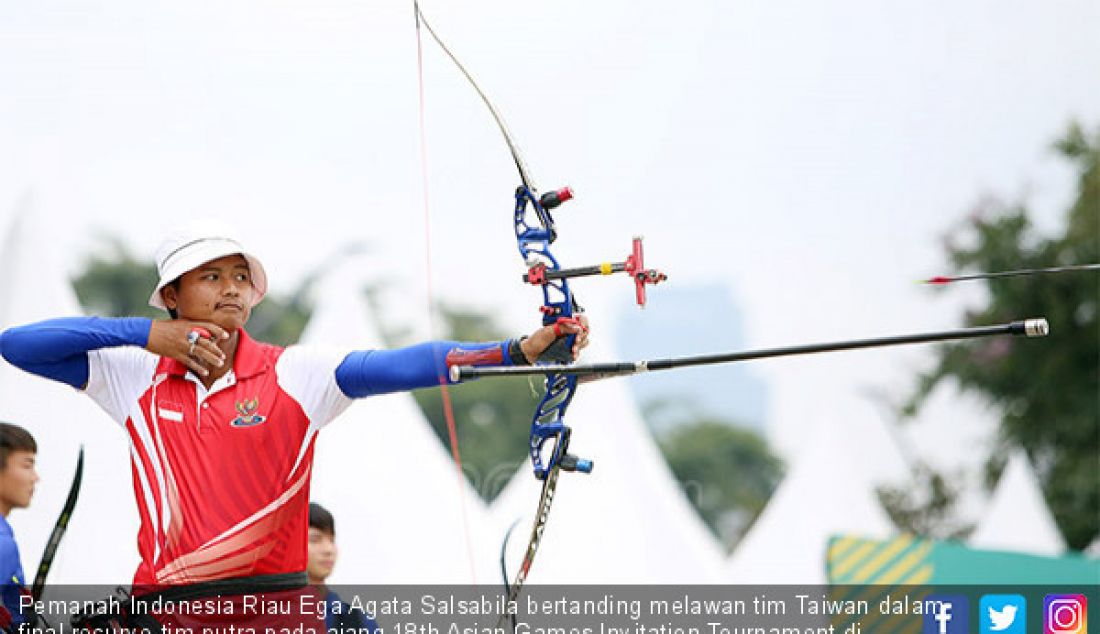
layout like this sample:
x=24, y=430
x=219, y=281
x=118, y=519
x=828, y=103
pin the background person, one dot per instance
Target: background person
x=17, y=480
x=323, y=553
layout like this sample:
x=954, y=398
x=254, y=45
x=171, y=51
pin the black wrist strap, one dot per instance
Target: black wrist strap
x=515, y=352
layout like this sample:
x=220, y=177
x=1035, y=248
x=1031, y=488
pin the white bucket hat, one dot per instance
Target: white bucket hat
x=188, y=248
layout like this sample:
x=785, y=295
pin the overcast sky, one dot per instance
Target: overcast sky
x=808, y=156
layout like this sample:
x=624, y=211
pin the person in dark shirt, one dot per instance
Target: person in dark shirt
x=322, y=553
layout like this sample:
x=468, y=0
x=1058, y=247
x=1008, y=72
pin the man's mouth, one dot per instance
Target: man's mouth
x=228, y=306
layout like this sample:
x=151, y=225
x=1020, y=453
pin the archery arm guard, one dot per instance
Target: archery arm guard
x=368, y=372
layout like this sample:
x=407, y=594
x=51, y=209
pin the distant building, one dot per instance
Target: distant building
x=692, y=320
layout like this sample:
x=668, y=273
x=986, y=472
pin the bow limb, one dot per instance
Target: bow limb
x=521, y=165
x=59, y=529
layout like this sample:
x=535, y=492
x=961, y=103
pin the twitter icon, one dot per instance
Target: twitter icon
x=1002, y=614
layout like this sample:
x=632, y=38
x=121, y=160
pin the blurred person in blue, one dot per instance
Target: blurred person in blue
x=17, y=479
x=322, y=553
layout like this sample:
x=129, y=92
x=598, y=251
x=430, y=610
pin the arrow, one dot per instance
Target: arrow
x=943, y=279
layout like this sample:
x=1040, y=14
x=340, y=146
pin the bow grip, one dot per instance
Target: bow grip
x=561, y=351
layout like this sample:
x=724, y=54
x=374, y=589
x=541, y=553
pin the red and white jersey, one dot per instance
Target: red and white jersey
x=221, y=476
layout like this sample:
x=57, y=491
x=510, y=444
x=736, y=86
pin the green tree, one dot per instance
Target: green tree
x=115, y=284
x=1046, y=391
x=926, y=505
x=728, y=473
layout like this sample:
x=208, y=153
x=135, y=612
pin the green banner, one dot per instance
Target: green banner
x=897, y=576
x=908, y=560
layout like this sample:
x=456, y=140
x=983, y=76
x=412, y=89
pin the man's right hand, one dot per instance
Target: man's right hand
x=169, y=338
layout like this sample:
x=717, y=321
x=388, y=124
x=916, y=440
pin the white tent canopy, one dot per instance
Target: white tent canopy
x=1018, y=518
x=626, y=522
x=829, y=490
x=402, y=514
x=100, y=546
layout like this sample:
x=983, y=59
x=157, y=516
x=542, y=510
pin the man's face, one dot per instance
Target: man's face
x=321, y=555
x=17, y=480
x=219, y=291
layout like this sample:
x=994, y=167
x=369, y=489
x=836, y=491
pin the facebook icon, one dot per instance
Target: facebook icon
x=946, y=615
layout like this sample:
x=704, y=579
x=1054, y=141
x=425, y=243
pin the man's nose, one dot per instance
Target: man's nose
x=232, y=286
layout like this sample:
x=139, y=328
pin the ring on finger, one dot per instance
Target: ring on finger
x=193, y=339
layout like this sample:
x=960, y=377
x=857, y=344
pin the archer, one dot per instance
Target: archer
x=222, y=427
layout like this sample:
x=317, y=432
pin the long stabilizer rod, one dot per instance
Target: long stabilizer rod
x=1037, y=327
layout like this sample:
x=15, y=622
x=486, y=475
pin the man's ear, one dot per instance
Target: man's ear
x=170, y=296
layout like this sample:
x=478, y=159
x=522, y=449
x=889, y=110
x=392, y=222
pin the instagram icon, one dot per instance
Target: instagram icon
x=1065, y=614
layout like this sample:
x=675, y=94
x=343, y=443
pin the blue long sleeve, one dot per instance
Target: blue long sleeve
x=370, y=372
x=11, y=572
x=58, y=348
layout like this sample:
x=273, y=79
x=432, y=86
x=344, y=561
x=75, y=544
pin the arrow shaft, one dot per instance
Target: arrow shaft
x=1015, y=273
